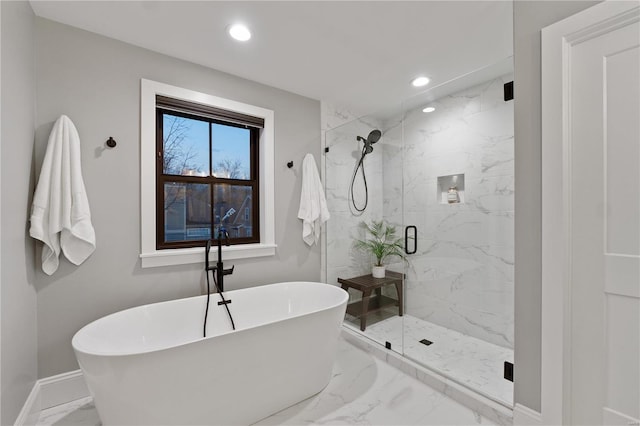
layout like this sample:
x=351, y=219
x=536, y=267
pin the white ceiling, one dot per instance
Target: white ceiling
x=359, y=54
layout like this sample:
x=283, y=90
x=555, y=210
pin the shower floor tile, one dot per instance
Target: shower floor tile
x=472, y=362
x=363, y=390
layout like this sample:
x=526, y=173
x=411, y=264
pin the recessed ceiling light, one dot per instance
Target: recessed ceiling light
x=428, y=109
x=420, y=81
x=239, y=32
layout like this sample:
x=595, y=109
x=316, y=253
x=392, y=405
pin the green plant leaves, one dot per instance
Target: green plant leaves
x=382, y=242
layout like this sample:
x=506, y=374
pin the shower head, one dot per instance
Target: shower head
x=374, y=136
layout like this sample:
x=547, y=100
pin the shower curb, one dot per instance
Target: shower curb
x=480, y=404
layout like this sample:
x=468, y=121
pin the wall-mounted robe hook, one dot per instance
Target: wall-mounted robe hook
x=111, y=142
x=290, y=164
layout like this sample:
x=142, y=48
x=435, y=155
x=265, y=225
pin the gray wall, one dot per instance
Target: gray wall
x=17, y=291
x=529, y=18
x=96, y=82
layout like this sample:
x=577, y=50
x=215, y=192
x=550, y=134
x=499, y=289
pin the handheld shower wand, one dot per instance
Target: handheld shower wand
x=374, y=136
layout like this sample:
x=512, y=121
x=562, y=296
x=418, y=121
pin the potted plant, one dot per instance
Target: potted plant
x=382, y=242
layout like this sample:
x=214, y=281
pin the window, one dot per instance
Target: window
x=206, y=162
x=207, y=174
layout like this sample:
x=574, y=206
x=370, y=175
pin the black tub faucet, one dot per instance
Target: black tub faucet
x=219, y=268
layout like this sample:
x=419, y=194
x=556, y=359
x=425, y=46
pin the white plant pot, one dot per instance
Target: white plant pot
x=378, y=271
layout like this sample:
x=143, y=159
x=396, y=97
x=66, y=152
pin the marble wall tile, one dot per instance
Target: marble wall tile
x=334, y=115
x=492, y=157
x=342, y=259
x=490, y=327
x=483, y=262
x=490, y=194
x=493, y=94
x=470, y=226
x=392, y=182
x=464, y=287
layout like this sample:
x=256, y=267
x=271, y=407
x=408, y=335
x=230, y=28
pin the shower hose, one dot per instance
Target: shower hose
x=360, y=165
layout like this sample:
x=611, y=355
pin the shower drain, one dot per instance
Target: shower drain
x=426, y=342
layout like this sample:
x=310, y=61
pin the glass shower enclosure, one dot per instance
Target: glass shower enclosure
x=442, y=175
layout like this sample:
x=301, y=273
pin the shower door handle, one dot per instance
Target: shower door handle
x=406, y=239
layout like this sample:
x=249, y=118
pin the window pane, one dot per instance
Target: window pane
x=231, y=152
x=231, y=203
x=185, y=146
x=187, y=211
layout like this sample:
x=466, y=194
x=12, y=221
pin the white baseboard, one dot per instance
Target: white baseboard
x=525, y=416
x=51, y=391
x=63, y=388
x=613, y=417
x=31, y=409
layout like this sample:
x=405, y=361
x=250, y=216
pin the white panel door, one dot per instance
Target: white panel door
x=604, y=181
x=591, y=217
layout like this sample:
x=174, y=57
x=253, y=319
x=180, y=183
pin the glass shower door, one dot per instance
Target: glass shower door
x=458, y=173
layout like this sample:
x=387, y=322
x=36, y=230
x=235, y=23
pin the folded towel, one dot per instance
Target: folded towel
x=60, y=215
x=313, y=205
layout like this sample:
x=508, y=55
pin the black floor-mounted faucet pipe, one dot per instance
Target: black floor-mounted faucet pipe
x=218, y=278
x=219, y=270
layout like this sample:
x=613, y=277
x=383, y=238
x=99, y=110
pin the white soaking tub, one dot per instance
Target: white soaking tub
x=150, y=365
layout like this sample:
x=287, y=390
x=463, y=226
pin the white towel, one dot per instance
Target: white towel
x=60, y=215
x=313, y=205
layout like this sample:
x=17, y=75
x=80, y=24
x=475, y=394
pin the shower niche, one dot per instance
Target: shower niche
x=450, y=189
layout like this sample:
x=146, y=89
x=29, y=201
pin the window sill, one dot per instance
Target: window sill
x=196, y=254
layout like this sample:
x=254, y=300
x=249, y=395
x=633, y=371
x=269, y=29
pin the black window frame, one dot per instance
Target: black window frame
x=212, y=116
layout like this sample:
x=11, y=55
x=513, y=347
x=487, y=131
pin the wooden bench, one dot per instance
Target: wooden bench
x=367, y=284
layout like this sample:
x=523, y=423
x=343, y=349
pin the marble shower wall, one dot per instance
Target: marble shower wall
x=341, y=230
x=462, y=275
x=393, y=174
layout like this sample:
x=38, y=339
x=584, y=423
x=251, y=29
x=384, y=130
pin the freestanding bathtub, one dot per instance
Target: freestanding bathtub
x=149, y=365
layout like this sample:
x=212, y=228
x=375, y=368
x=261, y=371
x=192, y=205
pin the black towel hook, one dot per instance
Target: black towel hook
x=290, y=164
x=111, y=143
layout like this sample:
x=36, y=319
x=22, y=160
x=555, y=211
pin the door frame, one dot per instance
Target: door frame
x=557, y=42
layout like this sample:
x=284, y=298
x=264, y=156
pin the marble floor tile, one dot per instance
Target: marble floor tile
x=363, y=391
x=472, y=362
x=81, y=412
